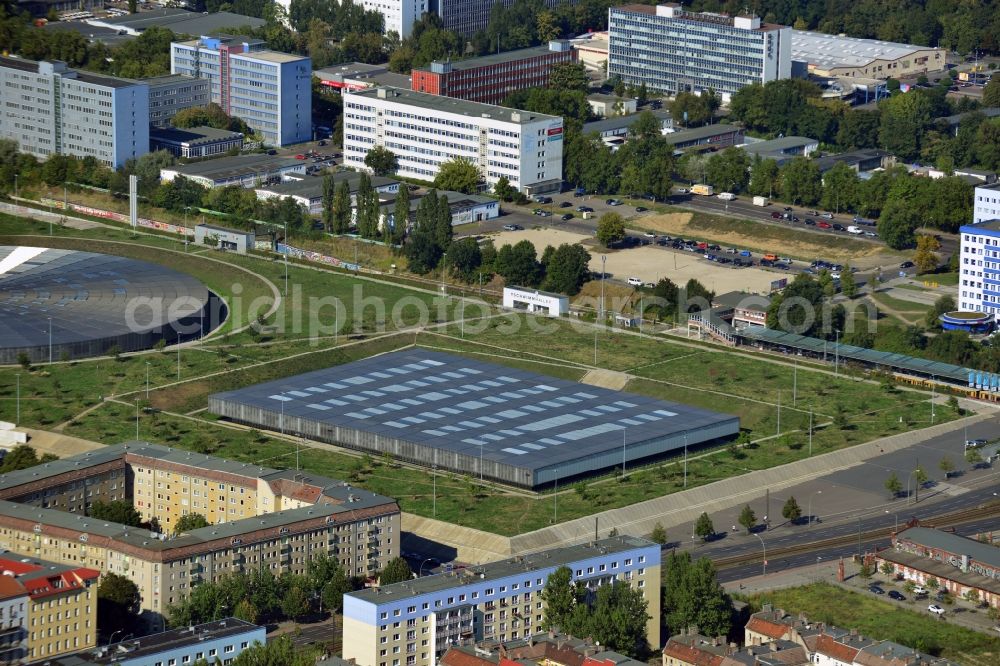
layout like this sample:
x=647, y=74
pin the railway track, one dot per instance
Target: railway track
x=978, y=512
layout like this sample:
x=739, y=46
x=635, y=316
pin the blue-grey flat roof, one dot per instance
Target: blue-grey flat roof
x=457, y=405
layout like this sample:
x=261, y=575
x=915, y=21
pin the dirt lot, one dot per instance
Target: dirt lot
x=768, y=238
x=652, y=263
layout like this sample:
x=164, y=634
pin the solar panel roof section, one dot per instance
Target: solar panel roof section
x=539, y=420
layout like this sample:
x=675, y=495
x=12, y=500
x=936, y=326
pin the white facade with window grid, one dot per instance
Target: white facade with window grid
x=672, y=50
x=979, y=268
x=424, y=131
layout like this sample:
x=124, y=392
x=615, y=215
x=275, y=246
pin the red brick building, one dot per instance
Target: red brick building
x=491, y=78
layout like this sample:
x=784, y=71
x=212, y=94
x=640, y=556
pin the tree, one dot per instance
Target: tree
x=503, y=190
x=946, y=466
x=801, y=182
x=848, y=285
x=329, y=196
x=443, y=231
x=465, y=258
x=396, y=571
x=897, y=223
x=748, y=519
x=190, y=521
x=791, y=511
x=567, y=269
x=133, y=6
x=341, y=209
x=973, y=457
x=904, y=120
x=728, y=170
x=991, y=92
x=690, y=109
x=211, y=115
x=659, y=534
x=617, y=619
x=116, y=511
x=400, y=214
x=458, y=175
x=24, y=361
x=117, y=603
x=866, y=571
x=381, y=161
x=692, y=596
x=703, y=527
x=279, y=651
x=893, y=485
x=518, y=264
x=765, y=177
x=944, y=303
x=560, y=597
x=295, y=602
x=23, y=456
x=925, y=259
x=569, y=76
x=610, y=229
x=367, y=208
x=840, y=188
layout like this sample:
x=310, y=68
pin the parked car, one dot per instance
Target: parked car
x=567, y=216
x=875, y=589
x=543, y=199
x=975, y=443
x=937, y=610
x=649, y=234
x=641, y=209
x=898, y=596
x=775, y=215
x=512, y=227
x=544, y=213
x=565, y=204
x=683, y=190
x=584, y=209
x=634, y=281
x=838, y=227
x=613, y=202
x=906, y=264
x=824, y=225
x=787, y=209
x=810, y=222
x=579, y=192
x=828, y=216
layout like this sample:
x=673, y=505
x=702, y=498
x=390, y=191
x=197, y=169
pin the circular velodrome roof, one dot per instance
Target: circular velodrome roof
x=93, y=301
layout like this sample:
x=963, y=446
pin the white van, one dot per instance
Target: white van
x=726, y=196
x=634, y=281
x=854, y=230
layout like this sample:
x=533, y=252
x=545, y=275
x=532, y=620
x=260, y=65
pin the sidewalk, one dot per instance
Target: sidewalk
x=960, y=612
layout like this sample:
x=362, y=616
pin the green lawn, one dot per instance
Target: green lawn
x=823, y=602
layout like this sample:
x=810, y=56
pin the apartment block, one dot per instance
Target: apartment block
x=467, y=17
x=60, y=615
x=219, y=642
x=261, y=517
x=50, y=109
x=673, y=50
x=986, y=203
x=414, y=623
x=172, y=93
x=270, y=91
x=424, y=131
x=491, y=78
x=979, y=267
x=13, y=621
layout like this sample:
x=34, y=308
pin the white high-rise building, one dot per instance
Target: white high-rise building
x=424, y=131
x=399, y=15
x=270, y=91
x=979, y=265
x=673, y=50
x=50, y=109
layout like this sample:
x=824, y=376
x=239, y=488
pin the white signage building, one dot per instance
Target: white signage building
x=532, y=300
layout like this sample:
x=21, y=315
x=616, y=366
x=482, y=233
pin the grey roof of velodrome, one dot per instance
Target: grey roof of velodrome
x=458, y=405
x=86, y=295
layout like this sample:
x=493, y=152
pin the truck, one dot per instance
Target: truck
x=760, y=201
x=727, y=196
x=703, y=190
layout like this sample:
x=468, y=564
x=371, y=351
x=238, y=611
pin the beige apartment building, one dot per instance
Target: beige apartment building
x=260, y=517
x=414, y=623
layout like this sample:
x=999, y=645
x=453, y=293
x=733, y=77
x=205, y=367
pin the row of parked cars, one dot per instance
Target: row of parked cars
x=919, y=592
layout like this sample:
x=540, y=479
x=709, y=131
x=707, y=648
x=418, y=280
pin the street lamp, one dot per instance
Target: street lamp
x=896, y=516
x=50, y=340
x=18, y=417
x=765, y=551
x=286, y=259
x=420, y=569
x=137, y=419
x=810, y=516
x=147, y=380
x=623, y=453
x=604, y=276
x=836, y=354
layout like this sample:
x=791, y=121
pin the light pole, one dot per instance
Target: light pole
x=116, y=631
x=604, y=276
x=147, y=380
x=15, y=186
x=623, y=453
x=420, y=569
x=434, y=511
x=50, y=340
x=933, y=395
x=809, y=509
x=286, y=259
x=895, y=529
x=859, y=536
x=685, y=460
x=480, y=463
x=795, y=382
x=836, y=354
x=178, y=358
x=137, y=419
x=764, y=549
x=810, y=433
x=17, y=419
